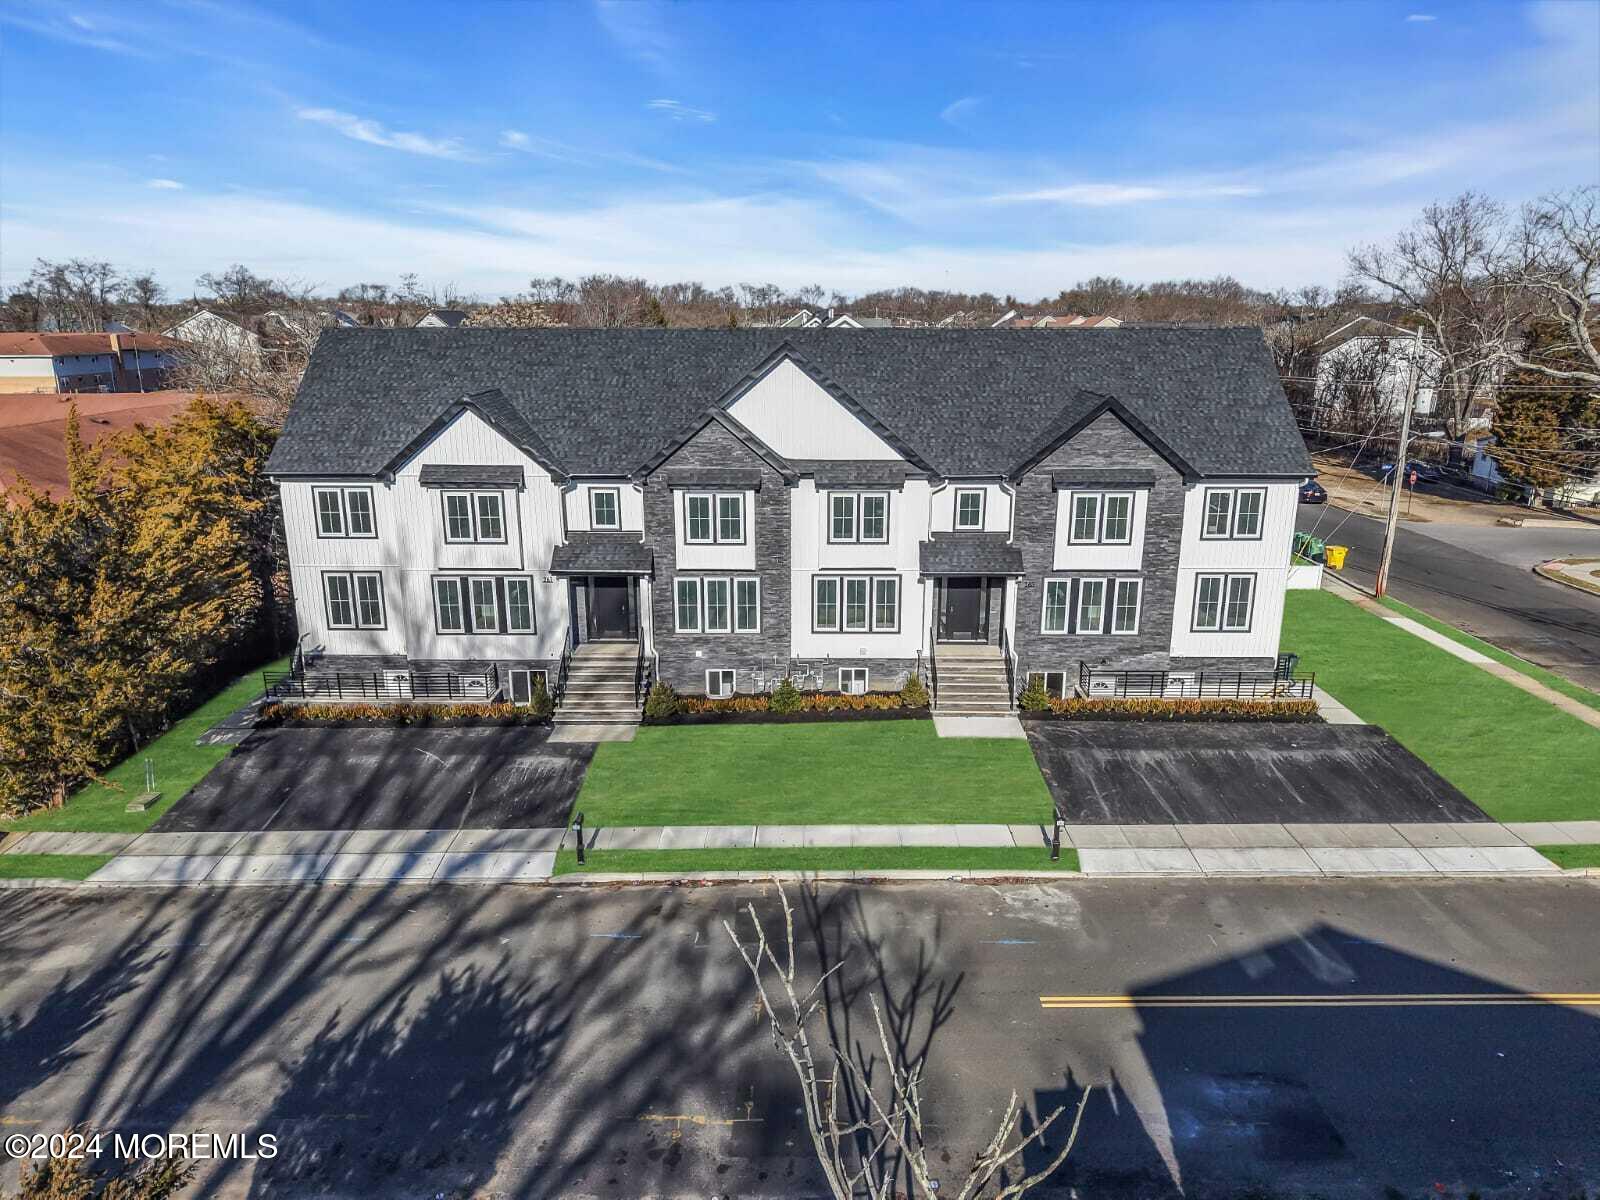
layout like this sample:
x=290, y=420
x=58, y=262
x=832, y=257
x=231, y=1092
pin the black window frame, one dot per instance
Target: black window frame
x=841, y=580
x=1233, y=534
x=1117, y=584
x=616, y=499
x=473, y=497
x=983, y=508
x=353, y=599
x=698, y=584
x=1222, y=626
x=533, y=609
x=465, y=603
x=342, y=493
x=1065, y=584
x=716, y=538
x=857, y=535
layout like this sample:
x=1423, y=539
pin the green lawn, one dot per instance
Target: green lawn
x=51, y=866
x=1569, y=857
x=1517, y=757
x=822, y=858
x=1549, y=678
x=179, y=763
x=849, y=772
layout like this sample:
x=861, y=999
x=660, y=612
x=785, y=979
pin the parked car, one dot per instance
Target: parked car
x=1312, y=492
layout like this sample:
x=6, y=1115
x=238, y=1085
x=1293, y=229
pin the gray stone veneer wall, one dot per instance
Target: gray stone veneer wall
x=883, y=674
x=1106, y=443
x=748, y=654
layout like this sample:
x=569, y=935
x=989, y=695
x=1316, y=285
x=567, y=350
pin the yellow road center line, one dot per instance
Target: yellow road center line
x=1364, y=1000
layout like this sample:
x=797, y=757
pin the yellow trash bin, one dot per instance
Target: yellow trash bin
x=1334, y=556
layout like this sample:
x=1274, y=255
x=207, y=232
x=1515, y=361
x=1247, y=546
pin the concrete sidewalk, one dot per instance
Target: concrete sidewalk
x=522, y=855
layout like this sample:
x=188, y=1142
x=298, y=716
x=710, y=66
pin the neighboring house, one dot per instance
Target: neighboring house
x=32, y=428
x=1374, y=358
x=84, y=362
x=1071, y=321
x=829, y=318
x=442, y=318
x=214, y=331
x=721, y=509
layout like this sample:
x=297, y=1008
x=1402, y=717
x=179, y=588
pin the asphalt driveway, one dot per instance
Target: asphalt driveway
x=1134, y=773
x=324, y=779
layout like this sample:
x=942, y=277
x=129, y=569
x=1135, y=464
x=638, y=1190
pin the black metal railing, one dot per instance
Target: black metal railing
x=563, y=669
x=933, y=672
x=641, y=675
x=1173, y=685
x=1011, y=673
x=381, y=685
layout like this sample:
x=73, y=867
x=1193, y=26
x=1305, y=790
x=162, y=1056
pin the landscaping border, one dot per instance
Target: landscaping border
x=1157, y=711
x=795, y=718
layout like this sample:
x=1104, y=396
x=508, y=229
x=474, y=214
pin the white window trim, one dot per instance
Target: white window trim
x=438, y=607
x=1044, y=681
x=1100, y=499
x=472, y=514
x=1133, y=502
x=838, y=603
x=472, y=603
x=858, y=509
x=1066, y=608
x=872, y=597
x=983, y=505
x=343, y=494
x=353, y=599
x=1077, y=623
x=711, y=519
x=698, y=583
x=706, y=583
x=719, y=672
x=844, y=604
x=1250, y=603
x=842, y=579
x=866, y=680
x=1138, y=605
x=533, y=609
x=853, y=500
x=1222, y=625
x=716, y=538
x=530, y=672
x=1232, y=534
x=616, y=497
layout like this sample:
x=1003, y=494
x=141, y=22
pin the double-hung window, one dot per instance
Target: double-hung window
x=605, y=508
x=474, y=517
x=855, y=603
x=1223, y=603
x=716, y=604
x=1091, y=606
x=353, y=599
x=713, y=517
x=344, y=512
x=1234, y=513
x=969, y=508
x=858, y=517
x=1101, y=518
x=483, y=604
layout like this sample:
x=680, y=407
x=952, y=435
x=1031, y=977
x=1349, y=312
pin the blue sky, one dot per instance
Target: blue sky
x=1013, y=148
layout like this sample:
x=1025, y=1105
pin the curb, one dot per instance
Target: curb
x=1543, y=571
x=714, y=877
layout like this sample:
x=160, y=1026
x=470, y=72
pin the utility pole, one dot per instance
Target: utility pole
x=1395, y=480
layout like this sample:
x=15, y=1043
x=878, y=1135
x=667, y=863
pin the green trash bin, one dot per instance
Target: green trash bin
x=1309, y=548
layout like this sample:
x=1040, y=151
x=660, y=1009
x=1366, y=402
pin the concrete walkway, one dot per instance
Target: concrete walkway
x=1573, y=708
x=521, y=855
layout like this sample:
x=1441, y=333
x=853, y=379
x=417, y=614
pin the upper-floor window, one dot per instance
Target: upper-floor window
x=713, y=517
x=1101, y=518
x=474, y=517
x=605, y=508
x=858, y=516
x=969, y=508
x=344, y=512
x=1223, y=603
x=353, y=599
x=483, y=604
x=1234, y=513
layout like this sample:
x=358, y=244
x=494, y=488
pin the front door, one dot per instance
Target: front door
x=965, y=617
x=610, y=608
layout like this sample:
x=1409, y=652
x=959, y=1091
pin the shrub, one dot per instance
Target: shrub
x=915, y=692
x=1155, y=709
x=786, y=697
x=662, y=702
x=539, y=703
x=1034, y=698
x=318, y=712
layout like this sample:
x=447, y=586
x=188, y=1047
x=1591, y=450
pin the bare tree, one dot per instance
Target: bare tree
x=1441, y=272
x=1554, y=262
x=144, y=296
x=75, y=296
x=864, y=1141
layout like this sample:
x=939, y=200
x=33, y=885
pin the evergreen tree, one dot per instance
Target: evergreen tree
x=1539, y=422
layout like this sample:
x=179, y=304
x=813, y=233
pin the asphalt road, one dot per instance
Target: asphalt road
x=548, y=1042
x=1495, y=599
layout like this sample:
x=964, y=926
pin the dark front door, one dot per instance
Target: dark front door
x=610, y=607
x=965, y=616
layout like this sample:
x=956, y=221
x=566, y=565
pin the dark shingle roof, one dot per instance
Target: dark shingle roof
x=839, y=474
x=450, y=475
x=601, y=554
x=970, y=554
x=969, y=401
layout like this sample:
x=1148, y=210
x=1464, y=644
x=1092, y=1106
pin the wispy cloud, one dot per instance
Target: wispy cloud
x=679, y=111
x=582, y=156
x=1109, y=195
x=640, y=30
x=164, y=185
x=958, y=112
x=1420, y=18
x=362, y=129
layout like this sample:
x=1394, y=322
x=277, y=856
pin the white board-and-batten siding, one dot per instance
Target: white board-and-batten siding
x=794, y=416
x=410, y=548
